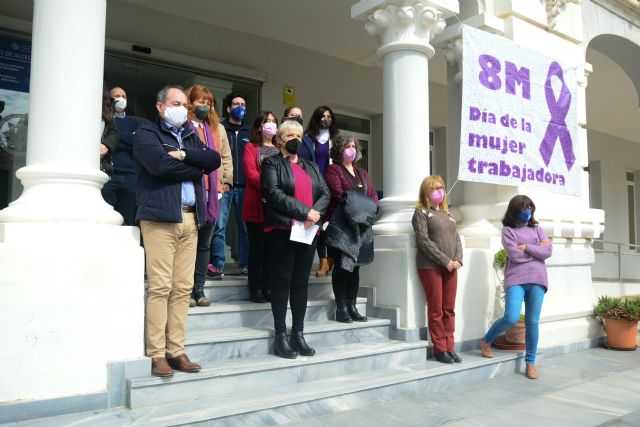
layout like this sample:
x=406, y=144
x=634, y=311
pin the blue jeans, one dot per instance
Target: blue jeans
x=532, y=295
x=235, y=195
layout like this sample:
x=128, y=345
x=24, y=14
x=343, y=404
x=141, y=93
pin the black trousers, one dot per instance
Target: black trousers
x=322, y=248
x=258, y=262
x=290, y=269
x=345, y=283
x=203, y=252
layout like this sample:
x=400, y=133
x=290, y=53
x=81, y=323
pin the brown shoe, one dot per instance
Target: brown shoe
x=325, y=267
x=531, y=372
x=485, y=348
x=182, y=363
x=160, y=367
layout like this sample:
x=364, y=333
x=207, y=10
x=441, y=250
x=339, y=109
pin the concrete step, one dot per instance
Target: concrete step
x=268, y=405
x=236, y=288
x=246, y=313
x=238, y=377
x=232, y=343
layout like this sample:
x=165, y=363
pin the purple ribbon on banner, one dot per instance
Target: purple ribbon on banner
x=557, y=128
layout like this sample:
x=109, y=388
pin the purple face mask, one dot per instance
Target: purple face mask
x=436, y=197
x=349, y=154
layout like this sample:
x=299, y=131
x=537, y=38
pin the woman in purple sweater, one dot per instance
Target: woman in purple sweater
x=525, y=277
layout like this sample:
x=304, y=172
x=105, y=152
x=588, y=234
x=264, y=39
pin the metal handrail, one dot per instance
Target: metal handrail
x=619, y=252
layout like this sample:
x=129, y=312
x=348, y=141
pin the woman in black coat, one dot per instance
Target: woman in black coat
x=293, y=189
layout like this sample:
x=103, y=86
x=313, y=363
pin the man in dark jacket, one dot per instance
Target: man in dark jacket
x=120, y=190
x=238, y=135
x=171, y=206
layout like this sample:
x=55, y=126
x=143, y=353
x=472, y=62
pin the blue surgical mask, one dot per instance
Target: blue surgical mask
x=237, y=112
x=524, y=216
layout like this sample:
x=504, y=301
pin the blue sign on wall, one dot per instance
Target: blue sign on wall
x=15, y=64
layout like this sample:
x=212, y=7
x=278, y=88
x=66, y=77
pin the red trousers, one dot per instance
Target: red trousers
x=440, y=287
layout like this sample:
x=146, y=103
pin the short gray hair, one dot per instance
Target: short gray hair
x=289, y=126
x=162, y=95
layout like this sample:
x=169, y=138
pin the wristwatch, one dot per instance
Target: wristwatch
x=183, y=155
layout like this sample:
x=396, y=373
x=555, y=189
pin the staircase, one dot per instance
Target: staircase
x=243, y=383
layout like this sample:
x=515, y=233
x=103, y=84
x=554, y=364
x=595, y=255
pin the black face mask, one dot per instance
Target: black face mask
x=296, y=119
x=292, y=146
x=325, y=123
x=201, y=112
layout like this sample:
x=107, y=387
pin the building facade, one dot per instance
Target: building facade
x=72, y=278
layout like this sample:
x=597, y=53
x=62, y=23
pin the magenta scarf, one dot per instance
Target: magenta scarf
x=213, y=204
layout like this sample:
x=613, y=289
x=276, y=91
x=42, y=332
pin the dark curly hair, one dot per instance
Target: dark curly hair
x=517, y=204
x=339, y=145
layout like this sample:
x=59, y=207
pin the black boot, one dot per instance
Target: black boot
x=282, y=347
x=256, y=296
x=342, y=315
x=455, y=357
x=443, y=357
x=353, y=311
x=298, y=343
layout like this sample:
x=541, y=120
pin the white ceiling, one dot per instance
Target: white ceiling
x=323, y=26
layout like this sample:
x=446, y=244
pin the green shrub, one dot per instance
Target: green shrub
x=618, y=308
x=500, y=259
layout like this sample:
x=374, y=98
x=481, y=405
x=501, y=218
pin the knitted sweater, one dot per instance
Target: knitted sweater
x=525, y=266
x=437, y=238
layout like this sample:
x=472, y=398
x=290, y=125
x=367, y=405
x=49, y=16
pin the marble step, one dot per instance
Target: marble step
x=236, y=288
x=232, y=343
x=286, y=403
x=246, y=313
x=238, y=377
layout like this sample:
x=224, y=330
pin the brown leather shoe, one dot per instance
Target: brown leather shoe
x=531, y=372
x=160, y=367
x=182, y=363
x=485, y=348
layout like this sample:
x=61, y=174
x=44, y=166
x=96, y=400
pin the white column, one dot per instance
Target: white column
x=404, y=30
x=72, y=280
x=62, y=179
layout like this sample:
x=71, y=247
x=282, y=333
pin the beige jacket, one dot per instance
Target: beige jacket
x=225, y=173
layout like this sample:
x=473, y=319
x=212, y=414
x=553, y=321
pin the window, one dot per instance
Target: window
x=631, y=207
x=360, y=127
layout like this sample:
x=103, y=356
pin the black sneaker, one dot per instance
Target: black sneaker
x=214, y=273
x=244, y=271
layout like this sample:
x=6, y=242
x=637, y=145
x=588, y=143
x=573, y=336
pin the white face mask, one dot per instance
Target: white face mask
x=120, y=104
x=175, y=116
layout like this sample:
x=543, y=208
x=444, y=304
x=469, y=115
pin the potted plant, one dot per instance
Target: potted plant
x=514, y=337
x=620, y=318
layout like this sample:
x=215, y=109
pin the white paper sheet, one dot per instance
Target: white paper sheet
x=299, y=234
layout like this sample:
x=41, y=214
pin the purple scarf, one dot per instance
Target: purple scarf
x=212, y=202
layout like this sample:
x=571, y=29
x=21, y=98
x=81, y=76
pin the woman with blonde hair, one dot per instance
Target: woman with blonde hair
x=438, y=258
x=203, y=119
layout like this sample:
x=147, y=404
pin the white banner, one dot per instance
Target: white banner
x=519, y=123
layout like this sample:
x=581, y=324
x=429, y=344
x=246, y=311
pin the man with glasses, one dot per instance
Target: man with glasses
x=171, y=161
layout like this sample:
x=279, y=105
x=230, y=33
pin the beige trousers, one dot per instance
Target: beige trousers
x=170, y=251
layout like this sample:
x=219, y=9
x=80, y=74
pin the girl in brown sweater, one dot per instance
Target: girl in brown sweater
x=438, y=258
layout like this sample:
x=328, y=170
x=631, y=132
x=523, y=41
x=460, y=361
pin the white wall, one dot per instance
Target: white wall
x=616, y=156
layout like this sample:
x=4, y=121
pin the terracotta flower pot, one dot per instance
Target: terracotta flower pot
x=516, y=334
x=621, y=334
